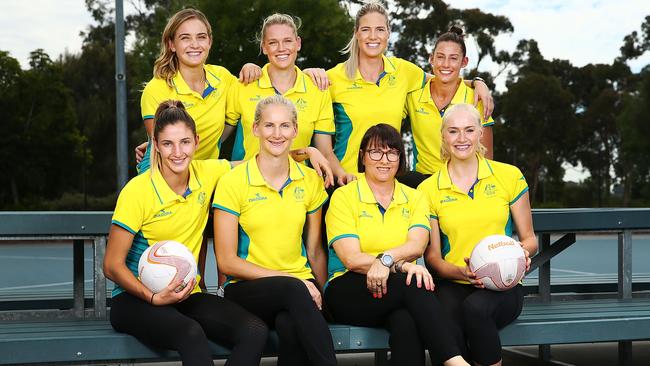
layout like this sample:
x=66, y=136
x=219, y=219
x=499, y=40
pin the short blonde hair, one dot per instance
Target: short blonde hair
x=275, y=100
x=449, y=114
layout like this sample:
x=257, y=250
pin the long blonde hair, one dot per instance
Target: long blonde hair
x=449, y=114
x=352, y=48
x=166, y=65
x=277, y=18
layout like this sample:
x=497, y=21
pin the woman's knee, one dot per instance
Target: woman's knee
x=293, y=287
x=474, y=310
x=252, y=331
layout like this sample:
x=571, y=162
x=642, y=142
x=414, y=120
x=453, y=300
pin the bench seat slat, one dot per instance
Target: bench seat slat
x=550, y=323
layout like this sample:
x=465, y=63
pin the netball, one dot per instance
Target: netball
x=499, y=262
x=165, y=262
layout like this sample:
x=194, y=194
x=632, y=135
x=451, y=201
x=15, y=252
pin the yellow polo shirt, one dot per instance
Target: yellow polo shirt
x=465, y=218
x=150, y=210
x=271, y=222
x=426, y=121
x=207, y=109
x=354, y=212
x=359, y=104
x=314, y=109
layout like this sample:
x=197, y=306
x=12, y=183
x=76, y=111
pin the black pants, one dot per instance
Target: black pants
x=412, y=315
x=478, y=314
x=285, y=304
x=186, y=327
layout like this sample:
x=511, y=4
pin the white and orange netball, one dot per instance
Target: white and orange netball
x=164, y=263
x=499, y=262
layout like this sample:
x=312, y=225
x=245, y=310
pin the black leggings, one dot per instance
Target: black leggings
x=412, y=315
x=186, y=327
x=285, y=304
x=478, y=314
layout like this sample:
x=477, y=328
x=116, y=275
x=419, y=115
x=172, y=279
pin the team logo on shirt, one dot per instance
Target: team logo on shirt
x=188, y=105
x=490, y=190
x=392, y=80
x=299, y=193
x=201, y=198
x=354, y=86
x=365, y=214
x=406, y=213
x=162, y=213
x=256, y=98
x=421, y=110
x=258, y=197
x=448, y=199
x=301, y=104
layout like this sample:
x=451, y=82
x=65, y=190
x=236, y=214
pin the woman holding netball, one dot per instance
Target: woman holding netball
x=376, y=228
x=470, y=191
x=171, y=202
x=267, y=221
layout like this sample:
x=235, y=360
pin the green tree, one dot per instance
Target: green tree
x=537, y=130
x=41, y=146
x=419, y=22
x=326, y=27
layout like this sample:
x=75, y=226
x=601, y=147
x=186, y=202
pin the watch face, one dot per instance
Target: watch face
x=387, y=260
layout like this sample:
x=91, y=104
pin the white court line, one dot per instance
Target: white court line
x=574, y=272
x=40, y=286
x=41, y=258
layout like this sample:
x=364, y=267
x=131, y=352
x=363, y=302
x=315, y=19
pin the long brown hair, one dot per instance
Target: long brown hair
x=166, y=65
x=168, y=113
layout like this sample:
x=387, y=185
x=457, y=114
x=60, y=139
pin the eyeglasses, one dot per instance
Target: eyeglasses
x=377, y=155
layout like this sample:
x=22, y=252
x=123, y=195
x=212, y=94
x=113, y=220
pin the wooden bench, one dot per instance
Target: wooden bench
x=82, y=333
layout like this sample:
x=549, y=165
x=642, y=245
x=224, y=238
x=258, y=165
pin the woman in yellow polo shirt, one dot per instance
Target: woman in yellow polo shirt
x=172, y=203
x=471, y=197
x=376, y=228
x=369, y=87
x=267, y=221
x=280, y=42
x=426, y=106
x=180, y=73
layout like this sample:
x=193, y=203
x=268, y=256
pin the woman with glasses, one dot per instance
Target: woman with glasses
x=376, y=228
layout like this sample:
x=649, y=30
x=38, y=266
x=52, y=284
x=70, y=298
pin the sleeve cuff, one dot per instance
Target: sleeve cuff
x=219, y=207
x=123, y=226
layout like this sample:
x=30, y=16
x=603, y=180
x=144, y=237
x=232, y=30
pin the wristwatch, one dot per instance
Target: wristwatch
x=385, y=259
x=475, y=79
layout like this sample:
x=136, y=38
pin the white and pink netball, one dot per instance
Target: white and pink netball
x=165, y=262
x=499, y=262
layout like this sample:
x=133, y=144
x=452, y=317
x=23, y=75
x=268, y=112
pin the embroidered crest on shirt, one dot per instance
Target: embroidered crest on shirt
x=406, y=213
x=299, y=193
x=301, y=104
x=490, y=190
